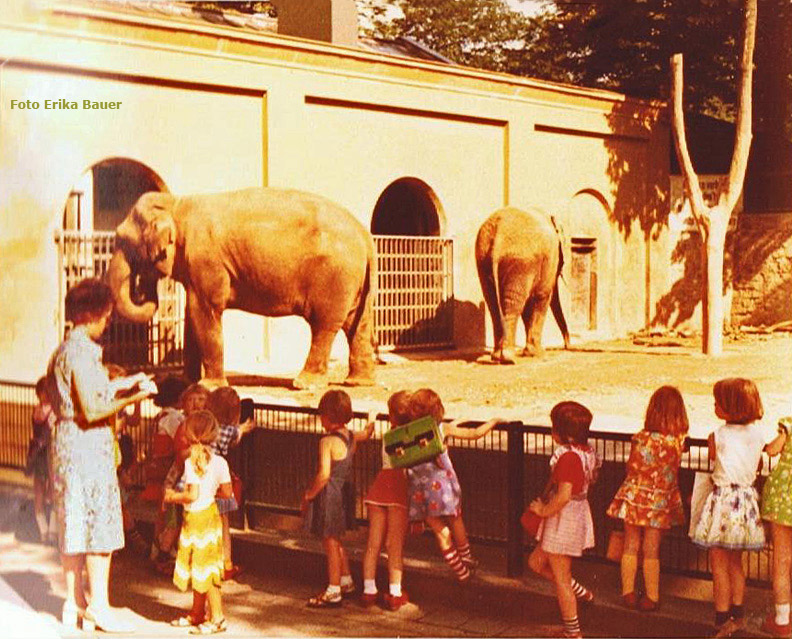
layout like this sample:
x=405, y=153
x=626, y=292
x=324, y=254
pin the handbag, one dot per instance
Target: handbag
x=530, y=522
x=414, y=443
x=702, y=487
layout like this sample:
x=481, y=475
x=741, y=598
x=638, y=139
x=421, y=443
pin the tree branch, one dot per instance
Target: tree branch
x=743, y=134
x=697, y=205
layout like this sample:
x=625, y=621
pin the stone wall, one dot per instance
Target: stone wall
x=762, y=270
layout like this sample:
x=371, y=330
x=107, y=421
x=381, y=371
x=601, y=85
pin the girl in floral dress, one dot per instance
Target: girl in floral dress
x=433, y=488
x=730, y=522
x=777, y=509
x=648, y=500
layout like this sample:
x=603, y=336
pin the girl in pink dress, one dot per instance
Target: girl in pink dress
x=648, y=500
x=567, y=528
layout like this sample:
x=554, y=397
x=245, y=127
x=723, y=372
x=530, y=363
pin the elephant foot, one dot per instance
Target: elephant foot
x=505, y=356
x=213, y=382
x=357, y=380
x=305, y=381
x=533, y=351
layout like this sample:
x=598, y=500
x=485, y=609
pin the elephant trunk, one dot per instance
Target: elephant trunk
x=555, y=301
x=121, y=279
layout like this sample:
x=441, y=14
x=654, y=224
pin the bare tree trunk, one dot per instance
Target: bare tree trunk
x=713, y=221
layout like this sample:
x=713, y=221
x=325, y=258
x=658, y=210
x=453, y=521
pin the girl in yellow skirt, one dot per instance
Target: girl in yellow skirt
x=199, y=563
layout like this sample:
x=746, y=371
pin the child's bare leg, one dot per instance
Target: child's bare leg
x=721, y=586
x=782, y=562
x=39, y=503
x=561, y=565
x=227, y=560
x=443, y=535
x=458, y=531
x=538, y=563
x=377, y=523
x=344, y=560
x=397, y=531
x=215, y=603
x=736, y=578
x=331, y=547
x=198, y=611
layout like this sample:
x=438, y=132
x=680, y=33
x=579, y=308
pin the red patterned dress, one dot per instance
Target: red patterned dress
x=649, y=495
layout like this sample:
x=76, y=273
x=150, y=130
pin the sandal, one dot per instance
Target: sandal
x=210, y=628
x=185, y=622
x=323, y=600
x=230, y=573
x=347, y=589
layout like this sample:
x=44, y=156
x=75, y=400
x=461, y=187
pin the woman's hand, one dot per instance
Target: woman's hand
x=168, y=496
x=246, y=426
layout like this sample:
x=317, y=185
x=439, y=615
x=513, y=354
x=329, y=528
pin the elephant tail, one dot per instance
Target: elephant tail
x=555, y=301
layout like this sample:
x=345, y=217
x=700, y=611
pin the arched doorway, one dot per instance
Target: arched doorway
x=407, y=206
x=97, y=202
x=415, y=268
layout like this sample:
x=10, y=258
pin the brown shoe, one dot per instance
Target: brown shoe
x=630, y=600
x=394, y=603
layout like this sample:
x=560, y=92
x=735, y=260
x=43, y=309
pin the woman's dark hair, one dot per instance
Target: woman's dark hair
x=571, y=422
x=41, y=386
x=738, y=400
x=336, y=405
x=224, y=404
x=88, y=300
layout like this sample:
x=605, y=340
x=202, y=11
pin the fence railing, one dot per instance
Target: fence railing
x=499, y=474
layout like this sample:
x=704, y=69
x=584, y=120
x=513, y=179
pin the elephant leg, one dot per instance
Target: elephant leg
x=207, y=325
x=360, y=336
x=491, y=299
x=516, y=281
x=192, y=352
x=314, y=372
x=534, y=315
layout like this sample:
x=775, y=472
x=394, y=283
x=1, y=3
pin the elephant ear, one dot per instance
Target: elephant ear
x=153, y=213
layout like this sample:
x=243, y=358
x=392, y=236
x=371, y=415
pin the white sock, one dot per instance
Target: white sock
x=395, y=590
x=333, y=590
x=782, y=614
x=370, y=586
x=346, y=580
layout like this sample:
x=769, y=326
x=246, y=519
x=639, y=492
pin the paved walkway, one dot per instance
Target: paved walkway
x=282, y=569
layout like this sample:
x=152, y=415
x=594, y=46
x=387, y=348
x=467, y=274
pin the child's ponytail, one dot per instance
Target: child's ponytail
x=201, y=430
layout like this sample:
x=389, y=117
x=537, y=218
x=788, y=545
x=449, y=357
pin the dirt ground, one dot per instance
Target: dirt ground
x=615, y=379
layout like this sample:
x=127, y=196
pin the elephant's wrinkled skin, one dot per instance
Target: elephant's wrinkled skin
x=519, y=259
x=267, y=251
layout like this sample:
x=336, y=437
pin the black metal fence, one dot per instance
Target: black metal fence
x=499, y=474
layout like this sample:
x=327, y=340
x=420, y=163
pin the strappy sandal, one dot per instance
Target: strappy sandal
x=185, y=622
x=210, y=628
x=323, y=600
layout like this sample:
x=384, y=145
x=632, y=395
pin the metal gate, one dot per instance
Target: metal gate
x=415, y=292
x=158, y=344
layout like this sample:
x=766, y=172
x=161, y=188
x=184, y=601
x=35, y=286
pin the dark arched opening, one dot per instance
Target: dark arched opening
x=407, y=206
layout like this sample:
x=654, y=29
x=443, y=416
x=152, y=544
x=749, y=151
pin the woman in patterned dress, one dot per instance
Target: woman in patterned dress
x=648, y=500
x=87, y=496
x=777, y=509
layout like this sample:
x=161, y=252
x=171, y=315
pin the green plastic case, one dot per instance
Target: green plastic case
x=413, y=443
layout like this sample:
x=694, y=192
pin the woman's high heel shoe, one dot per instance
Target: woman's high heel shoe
x=69, y=615
x=106, y=620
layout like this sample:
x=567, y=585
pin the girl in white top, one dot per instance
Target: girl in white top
x=730, y=520
x=199, y=563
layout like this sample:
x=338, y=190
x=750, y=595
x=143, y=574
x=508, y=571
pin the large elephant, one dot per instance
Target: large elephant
x=268, y=251
x=519, y=258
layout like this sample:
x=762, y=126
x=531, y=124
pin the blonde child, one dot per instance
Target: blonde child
x=168, y=524
x=325, y=502
x=730, y=521
x=199, y=563
x=649, y=501
x=39, y=464
x=386, y=502
x=433, y=487
x=225, y=405
x=567, y=528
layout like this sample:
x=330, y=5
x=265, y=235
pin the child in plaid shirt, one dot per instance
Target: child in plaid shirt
x=225, y=405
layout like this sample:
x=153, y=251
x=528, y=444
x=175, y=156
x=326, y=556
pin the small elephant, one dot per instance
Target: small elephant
x=519, y=258
x=268, y=251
